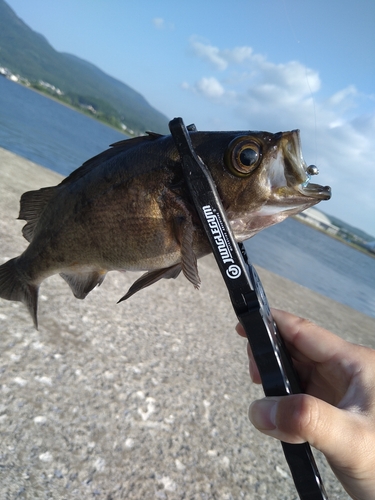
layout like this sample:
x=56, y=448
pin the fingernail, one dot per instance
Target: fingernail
x=262, y=414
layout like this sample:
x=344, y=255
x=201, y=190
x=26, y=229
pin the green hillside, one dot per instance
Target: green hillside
x=28, y=54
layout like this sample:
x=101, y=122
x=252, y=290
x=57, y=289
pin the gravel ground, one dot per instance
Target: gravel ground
x=146, y=399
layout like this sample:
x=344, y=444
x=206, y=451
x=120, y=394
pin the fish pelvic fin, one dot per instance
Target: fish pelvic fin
x=32, y=205
x=14, y=286
x=81, y=283
x=151, y=277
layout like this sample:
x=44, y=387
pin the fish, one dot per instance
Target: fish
x=129, y=209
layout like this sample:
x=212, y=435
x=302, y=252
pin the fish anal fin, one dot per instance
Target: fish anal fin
x=81, y=283
x=32, y=205
x=151, y=277
x=30, y=299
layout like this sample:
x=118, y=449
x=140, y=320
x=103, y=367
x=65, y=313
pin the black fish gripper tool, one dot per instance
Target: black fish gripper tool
x=250, y=304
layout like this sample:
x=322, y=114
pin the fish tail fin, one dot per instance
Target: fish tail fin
x=13, y=286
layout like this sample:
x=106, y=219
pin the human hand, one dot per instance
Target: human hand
x=337, y=413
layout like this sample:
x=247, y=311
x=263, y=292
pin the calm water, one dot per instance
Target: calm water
x=47, y=132
x=61, y=139
x=313, y=259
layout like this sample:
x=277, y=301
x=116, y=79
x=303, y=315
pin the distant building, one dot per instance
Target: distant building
x=50, y=87
x=14, y=78
x=370, y=246
x=316, y=218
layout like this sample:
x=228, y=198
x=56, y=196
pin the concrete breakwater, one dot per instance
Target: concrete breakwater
x=143, y=399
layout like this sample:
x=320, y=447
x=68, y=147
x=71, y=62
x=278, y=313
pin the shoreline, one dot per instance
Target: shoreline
x=70, y=106
x=335, y=237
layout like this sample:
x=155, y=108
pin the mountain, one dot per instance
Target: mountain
x=28, y=54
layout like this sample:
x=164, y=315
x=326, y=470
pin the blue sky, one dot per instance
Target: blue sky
x=259, y=65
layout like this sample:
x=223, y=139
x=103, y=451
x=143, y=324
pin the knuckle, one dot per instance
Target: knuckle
x=298, y=415
x=303, y=324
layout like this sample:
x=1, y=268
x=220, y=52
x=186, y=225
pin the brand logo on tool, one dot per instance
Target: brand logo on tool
x=233, y=271
x=216, y=226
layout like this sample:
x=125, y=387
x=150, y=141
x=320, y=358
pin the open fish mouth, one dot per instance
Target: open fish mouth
x=297, y=168
x=316, y=191
x=310, y=189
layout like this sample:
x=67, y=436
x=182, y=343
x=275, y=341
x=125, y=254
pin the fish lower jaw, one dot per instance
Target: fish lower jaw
x=243, y=230
x=269, y=215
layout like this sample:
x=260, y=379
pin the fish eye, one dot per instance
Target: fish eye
x=243, y=156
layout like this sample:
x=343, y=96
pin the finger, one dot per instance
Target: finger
x=303, y=370
x=299, y=418
x=305, y=340
x=253, y=368
x=240, y=330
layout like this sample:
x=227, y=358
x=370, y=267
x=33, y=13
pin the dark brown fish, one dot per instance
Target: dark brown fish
x=128, y=209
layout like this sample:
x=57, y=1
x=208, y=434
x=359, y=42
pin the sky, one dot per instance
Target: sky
x=271, y=65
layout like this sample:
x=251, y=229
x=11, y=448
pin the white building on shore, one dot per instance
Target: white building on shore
x=316, y=218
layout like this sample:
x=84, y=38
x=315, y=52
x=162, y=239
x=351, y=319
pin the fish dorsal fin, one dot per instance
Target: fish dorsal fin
x=130, y=143
x=81, y=283
x=151, y=277
x=114, y=150
x=32, y=205
x=34, y=202
x=153, y=135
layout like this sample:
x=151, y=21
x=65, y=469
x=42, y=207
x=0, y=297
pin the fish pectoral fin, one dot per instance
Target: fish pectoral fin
x=151, y=277
x=32, y=205
x=184, y=232
x=81, y=283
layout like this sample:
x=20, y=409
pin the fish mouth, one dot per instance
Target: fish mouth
x=298, y=169
x=315, y=191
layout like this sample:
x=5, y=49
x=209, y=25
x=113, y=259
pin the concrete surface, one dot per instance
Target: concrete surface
x=146, y=399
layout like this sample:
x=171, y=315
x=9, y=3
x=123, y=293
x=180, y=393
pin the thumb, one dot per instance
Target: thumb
x=300, y=417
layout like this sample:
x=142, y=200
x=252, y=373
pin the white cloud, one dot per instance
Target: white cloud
x=262, y=95
x=209, y=53
x=238, y=55
x=260, y=79
x=210, y=87
x=158, y=22
x=161, y=24
x=342, y=95
x=220, y=59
